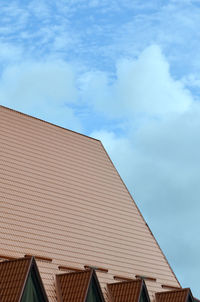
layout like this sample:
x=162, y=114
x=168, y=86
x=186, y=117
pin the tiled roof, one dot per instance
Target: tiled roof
x=179, y=295
x=62, y=198
x=12, y=279
x=128, y=291
x=73, y=286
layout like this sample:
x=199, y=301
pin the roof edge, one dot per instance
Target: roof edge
x=126, y=281
x=141, y=215
x=49, y=123
x=70, y=273
x=58, y=289
x=189, y=294
x=173, y=291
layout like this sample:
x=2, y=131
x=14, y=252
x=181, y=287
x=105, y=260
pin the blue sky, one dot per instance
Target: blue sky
x=126, y=72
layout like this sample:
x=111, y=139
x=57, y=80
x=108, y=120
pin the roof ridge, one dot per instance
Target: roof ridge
x=42, y=120
x=173, y=291
x=73, y=273
x=126, y=281
x=17, y=259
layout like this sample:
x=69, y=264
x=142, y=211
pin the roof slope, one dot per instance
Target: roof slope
x=128, y=291
x=62, y=198
x=73, y=286
x=13, y=275
x=180, y=295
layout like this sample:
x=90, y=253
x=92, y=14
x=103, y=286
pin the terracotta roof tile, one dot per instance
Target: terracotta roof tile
x=62, y=198
x=12, y=278
x=128, y=291
x=73, y=286
x=179, y=295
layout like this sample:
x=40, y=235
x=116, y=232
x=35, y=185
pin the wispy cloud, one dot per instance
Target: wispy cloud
x=42, y=89
x=158, y=155
x=143, y=86
x=102, y=31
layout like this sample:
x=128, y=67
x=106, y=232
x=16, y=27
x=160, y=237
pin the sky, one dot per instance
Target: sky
x=128, y=73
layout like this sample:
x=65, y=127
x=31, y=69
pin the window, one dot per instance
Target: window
x=33, y=290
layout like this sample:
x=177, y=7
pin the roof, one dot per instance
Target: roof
x=128, y=291
x=62, y=198
x=179, y=295
x=13, y=279
x=13, y=275
x=73, y=286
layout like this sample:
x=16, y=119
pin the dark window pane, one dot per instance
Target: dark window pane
x=143, y=297
x=32, y=291
x=93, y=293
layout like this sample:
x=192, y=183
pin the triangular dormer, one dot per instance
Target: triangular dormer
x=180, y=295
x=129, y=291
x=80, y=286
x=20, y=281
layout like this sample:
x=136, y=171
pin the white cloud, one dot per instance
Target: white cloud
x=160, y=165
x=142, y=86
x=43, y=89
x=192, y=80
x=158, y=157
x=42, y=81
x=10, y=53
x=117, y=147
x=39, y=9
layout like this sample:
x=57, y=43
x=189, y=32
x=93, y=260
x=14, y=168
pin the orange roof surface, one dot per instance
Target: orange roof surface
x=13, y=275
x=74, y=286
x=62, y=199
x=180, y=295
x=128, y=291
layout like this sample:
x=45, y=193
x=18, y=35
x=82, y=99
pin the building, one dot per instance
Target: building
x=63, y=203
